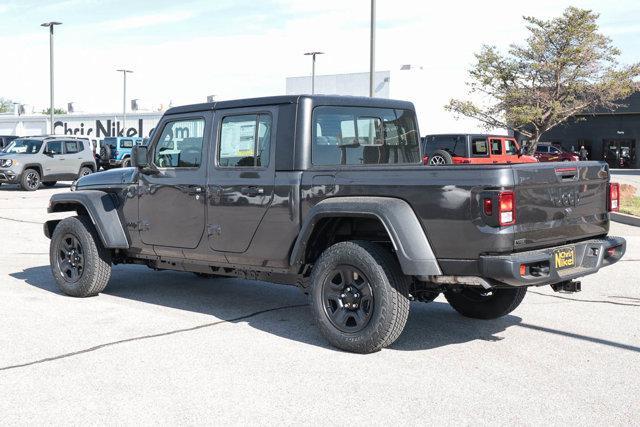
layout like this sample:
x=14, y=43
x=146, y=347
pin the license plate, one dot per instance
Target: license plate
x=565, y=258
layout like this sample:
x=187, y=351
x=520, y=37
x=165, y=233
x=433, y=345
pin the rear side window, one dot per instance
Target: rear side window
x=542, y=149
x=126, y=143
x=72, y=146
x=496, y=147
x=452, y=143
x=54, y=147
x=245, y=141
x=479, y=147
x=363, y=136
x=180, y=144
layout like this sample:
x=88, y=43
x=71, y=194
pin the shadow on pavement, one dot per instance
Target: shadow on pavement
x=429, y=326
x=16, y=187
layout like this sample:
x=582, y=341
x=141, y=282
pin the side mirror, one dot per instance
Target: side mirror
x=139, y=156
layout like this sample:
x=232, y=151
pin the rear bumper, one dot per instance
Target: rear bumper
x=540, y=269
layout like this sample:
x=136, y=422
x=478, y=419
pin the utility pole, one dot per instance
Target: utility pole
x=313, y=69
x=372, y=49
x=124, y=97
x=51, y=25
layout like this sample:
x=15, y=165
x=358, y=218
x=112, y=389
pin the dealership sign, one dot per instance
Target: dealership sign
x=102, y=128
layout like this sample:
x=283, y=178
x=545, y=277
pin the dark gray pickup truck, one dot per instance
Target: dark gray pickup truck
x=329, y=193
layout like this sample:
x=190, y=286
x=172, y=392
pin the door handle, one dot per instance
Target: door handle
x=252, y=191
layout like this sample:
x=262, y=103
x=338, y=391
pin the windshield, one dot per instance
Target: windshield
x=111, y=142
x=24, y=146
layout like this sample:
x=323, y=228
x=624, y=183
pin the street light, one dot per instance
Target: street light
x=372, y=48
x=313, y=69
x=51, y=25
x=124, y=98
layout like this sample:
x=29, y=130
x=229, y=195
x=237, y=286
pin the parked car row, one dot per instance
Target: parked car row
x=487, y=149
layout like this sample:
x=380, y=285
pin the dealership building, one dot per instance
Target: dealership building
x=96, y=125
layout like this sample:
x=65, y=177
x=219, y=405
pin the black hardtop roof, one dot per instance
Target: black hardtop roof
x=338, y=100
x=472, y=135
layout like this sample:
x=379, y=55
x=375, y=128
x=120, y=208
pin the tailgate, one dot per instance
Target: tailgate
x=558, y=203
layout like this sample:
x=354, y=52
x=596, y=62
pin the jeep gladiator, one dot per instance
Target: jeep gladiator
x=329, y=193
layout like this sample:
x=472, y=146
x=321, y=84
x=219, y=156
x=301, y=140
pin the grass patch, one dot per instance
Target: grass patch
x=630, y=205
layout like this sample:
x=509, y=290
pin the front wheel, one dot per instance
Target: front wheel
x=485, y=304
x=359, y=296
x=30, y=180
x=80, y=264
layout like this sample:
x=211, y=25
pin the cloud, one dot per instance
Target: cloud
x=142, y=21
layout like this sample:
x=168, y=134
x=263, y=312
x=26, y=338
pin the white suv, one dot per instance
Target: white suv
x=34, y=160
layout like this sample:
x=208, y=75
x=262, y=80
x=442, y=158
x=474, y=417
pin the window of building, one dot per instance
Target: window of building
x=363, y=136
x=180, y=144
x=245, y=141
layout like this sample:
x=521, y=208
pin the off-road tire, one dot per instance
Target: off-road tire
x=84, y=171
x=440, y=154
x=501, y=302
x=126, y=163
x=26, y=180
x=49, y=184
x=97, y=259
x=390, y=290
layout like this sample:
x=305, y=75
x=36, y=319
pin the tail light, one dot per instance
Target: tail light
x=487, y=206
x=614, y=197
x=506, y=208
x=425, y=160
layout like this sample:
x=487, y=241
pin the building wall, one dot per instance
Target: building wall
x=593, y=130
x=99, y=125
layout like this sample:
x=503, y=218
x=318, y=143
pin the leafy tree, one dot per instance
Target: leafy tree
x=5, y=105
x=565, y=67
x=56, y=111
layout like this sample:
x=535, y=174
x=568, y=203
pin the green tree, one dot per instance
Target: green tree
x=5, y=105
x=56, y=111
x=565, y=67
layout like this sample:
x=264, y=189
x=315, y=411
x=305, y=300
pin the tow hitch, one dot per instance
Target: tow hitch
x=570, y=286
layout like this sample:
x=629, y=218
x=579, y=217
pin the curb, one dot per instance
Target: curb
x=625, y=219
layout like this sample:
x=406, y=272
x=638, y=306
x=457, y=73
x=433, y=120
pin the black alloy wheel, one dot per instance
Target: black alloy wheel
x=70, y=258
x=348, y=299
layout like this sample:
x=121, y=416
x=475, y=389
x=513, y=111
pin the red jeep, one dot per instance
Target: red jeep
x=472, y=149
x=546, y=152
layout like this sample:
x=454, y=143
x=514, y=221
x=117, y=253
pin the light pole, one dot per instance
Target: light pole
x=313, y=69
x=51, y=25
x=124, y=98
x=372, y=48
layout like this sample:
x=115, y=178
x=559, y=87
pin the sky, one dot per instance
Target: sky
x=182, y=51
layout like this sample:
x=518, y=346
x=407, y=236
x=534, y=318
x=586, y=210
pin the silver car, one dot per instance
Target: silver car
x=34, y=160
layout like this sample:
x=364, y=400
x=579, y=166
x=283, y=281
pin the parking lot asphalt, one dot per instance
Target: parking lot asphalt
x=169, y=347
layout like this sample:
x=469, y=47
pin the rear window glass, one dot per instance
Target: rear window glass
x=126, y=143
x=364, y=136
x=479, y=147
x=111, y=142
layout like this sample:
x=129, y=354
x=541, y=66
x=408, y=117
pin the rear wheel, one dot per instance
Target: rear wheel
x=126, y=162
x=485, y=304
x=30, y=180
x=359, y=296
x=440, y=157
x=80, y=264
x=84, y=171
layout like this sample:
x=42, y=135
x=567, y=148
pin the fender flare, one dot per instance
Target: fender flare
x=407, y=236
x=36, y=166
x=102, y=210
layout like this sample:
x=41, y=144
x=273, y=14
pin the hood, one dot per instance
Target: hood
x=114, y=177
